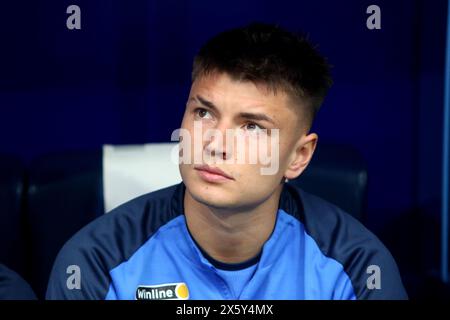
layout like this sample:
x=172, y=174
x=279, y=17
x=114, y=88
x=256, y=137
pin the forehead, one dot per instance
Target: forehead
x=230, y=94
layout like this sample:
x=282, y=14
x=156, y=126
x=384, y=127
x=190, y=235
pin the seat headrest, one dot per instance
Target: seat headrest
x=133, y=170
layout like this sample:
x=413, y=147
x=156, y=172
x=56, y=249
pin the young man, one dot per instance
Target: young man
x=231, y=230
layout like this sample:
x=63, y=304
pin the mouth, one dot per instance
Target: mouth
x=211, y=174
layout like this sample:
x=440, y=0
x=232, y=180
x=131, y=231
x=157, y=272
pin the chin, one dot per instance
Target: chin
x=212, y=195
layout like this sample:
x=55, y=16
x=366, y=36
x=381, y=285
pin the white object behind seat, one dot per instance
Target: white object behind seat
x=133, y=170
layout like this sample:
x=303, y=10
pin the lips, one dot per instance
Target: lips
x=214, y=171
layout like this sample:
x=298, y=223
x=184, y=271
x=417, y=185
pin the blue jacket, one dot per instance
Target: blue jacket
x=143, y=250
x=13, y=286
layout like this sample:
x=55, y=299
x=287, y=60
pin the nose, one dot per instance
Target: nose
x=216, y=145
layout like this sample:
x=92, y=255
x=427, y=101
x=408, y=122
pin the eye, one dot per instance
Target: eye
x=202, y=113
x=253, y=127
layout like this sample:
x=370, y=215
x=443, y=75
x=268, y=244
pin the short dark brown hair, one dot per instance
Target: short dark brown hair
x=266, y=54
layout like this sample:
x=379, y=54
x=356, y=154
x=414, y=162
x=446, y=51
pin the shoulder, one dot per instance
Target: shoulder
x=367, y=262
x=108, y=241
x=13, y=286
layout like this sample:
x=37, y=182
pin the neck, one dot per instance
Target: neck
x=231, y=235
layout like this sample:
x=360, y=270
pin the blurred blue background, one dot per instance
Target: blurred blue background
x=125, y=76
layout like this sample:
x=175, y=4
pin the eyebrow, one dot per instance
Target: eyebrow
x=245, y=115
x=256, y=117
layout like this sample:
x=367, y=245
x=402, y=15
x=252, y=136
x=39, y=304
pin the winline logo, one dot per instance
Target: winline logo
x=167, y=291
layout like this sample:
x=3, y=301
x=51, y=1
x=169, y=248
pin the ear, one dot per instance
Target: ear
x=301, y=155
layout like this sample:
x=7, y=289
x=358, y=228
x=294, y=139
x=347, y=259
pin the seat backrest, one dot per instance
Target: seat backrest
x=64, y=194
x=130, y=171
x=338, y=174
x=12, y=222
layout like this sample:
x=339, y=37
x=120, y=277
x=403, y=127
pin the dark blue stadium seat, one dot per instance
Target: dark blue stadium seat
x=12, y=235
x=337, y=173
x=64, y=194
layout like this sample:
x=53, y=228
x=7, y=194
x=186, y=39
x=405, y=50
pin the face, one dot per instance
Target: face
x=222, y=114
